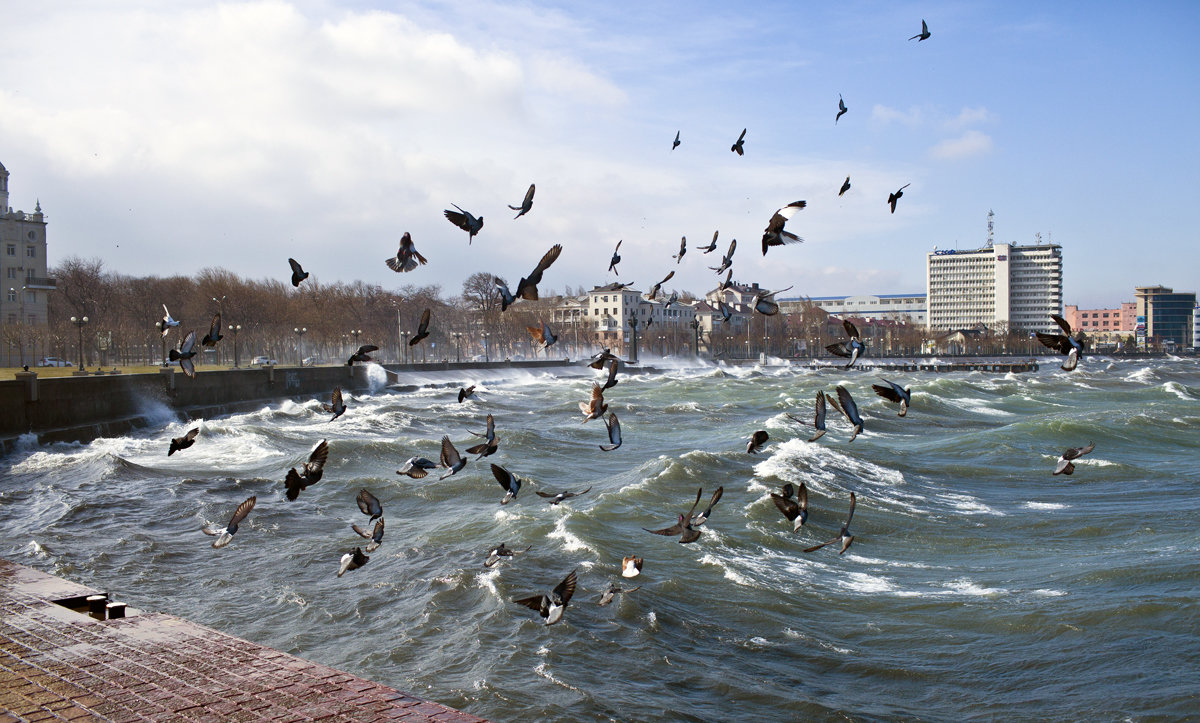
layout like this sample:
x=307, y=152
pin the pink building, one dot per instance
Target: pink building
x=1103, y=322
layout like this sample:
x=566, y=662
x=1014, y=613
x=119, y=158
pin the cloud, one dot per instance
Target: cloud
x=971, y=143
x=968, y=117
x=886, y=116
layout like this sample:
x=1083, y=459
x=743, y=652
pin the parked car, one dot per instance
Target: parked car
x=263, y=360
x=53, y=361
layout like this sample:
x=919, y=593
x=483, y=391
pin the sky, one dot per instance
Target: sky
x=165, y=138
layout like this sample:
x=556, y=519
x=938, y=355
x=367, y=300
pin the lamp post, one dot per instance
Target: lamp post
x=404, y=341
x=234, y=329
x=487, y=357
x=355, y=333
x=20, y=322
x=633, y=355
x=696, y=335
x=457, y=347
x=300, y=332
x=80, y=323
x=747, y=347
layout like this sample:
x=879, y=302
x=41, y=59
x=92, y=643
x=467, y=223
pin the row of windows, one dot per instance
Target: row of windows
x=30, y=251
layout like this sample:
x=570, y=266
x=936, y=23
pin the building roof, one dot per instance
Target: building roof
x=847, y=296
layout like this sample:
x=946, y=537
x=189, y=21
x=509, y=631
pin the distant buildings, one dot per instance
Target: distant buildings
x=1002, y=284
x=24, y=282
x=1168, y=317
x=602, y=317
x=906, y=308
x=1103, y=326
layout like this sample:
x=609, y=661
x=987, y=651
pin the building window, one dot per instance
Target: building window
x=12, y=273
x=31, y=251
x=12, y=295
x=12, y=249
x=30, y=296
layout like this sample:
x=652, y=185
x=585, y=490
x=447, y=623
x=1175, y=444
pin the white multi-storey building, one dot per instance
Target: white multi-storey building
x=1002, y=284
x=604, y=314
x=906, y=308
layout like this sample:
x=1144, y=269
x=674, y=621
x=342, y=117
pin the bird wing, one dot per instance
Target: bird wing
x=789, y=210
x=360, y=531
x=742, y=137
x=367, y=349
x=849, y=408
x=1057, y=342
x=1077, y=452
x=789, y=508
x=802, y=496
x=612, y=374
x=671, y=531
x=534, y=602
x=189, y=342
x=889, y=393
x=850, y=514
x=814, y=548
x=838, y=349
x=576, y=494
x=537, y=334
x=614, y=428
x=564, y=590
x=732, y=248
x=529, y=196
x=527, y=287
x=666, y=278
x=1062, y=324
x=337, y=400
x=296, y=268
x=597, y=396
x=368, y=503
x=191, y=435
x=851, y=329
x=450, y=456
x=320, y=453
x=242, y=510
x=458, y=219
x=819, y=411
x=503, y=476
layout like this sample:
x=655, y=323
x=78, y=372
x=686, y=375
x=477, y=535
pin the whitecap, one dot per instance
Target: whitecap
x=864, y=582
x=571, y=543
x=1049, y=593
x=729, y=573
x=1044, y=506
x=1178, y=390
x=969, y=505
x=964, y=586
x=544, y=672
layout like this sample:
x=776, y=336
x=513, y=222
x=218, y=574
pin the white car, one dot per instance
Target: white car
x=263, y=360
x=53, y=361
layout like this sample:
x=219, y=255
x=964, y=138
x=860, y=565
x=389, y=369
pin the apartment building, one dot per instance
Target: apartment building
x=906, y=308
x=24, y=281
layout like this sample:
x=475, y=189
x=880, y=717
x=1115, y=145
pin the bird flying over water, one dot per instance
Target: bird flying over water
x=187, y=440
x=509, y=481
x=613, y=590
x=682, y=250
x=523, y=208
x=676, y=143
x=298, y=272
x=893, y=197
x=923, y=35
x=552, y=606
x=631, y=566
x=843, y=535
x=595, y=407
x=352, y=561
x=852, y=348
x=612, y=374
x=616, y=259
x=375, y=536
x=466, y=393
x=774, y=234
x=422, y=329
x=701, y=518
x=310, y=472
x=765, y=304
x=796, y=511
x=845, y=404
x=757, y=440
x=600, y=358
x=614, y=432
x=490, y=443
x=543, y=338
x=845, y=186
x=654, y=290
x=500, y=551
x=557, y=497
x=527, y=287
x=711, y=246
x=362, y=355
x=416, y=467
x=224, y=535
x=1063, y=343
x=1065, y=465
x=335, y=407
x=818, y=418
x=214, y=332
x=465, y=221
x=841, y=109
x=895, y=393
x=738, y=146
x=184, y=355
x=407, y=257
x=725, y=311
x=684, y=526
x=451, y=459
x=369, y=504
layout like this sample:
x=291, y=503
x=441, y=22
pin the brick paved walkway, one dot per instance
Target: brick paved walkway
x=57, y=663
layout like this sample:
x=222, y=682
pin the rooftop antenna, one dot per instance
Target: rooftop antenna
x=1038, y=237
x=990, y=236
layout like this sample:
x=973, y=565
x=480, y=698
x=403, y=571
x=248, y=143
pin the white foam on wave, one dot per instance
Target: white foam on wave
x=542, y=670
x=1178, y=390
x=968, y=505
x=800, y=635
x=1044, y=506
x=865, y=582
x=487, y=581
x=977, y=406
x=889, y=563
x=1145, y=375
x=1047, y=592
x=726, y=570
x=571, y=543
x=819, y=466
x=965, y=586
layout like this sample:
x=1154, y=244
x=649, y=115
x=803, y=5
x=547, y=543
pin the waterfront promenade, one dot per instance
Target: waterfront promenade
x=58, y=662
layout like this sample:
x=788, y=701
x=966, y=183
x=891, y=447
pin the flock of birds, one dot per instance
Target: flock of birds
x=791, y=500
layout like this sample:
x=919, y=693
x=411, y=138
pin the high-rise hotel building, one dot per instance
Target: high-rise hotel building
x=1002, y=284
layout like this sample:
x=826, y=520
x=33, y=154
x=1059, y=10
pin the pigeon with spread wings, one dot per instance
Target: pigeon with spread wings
x=1063, y=343
x=684, y=526
x=739, y=146
x=465, y=221
x=225, y=535
x=527, y=287
x=843, y=535
x=552, y=606
x=525, y=205
x=852, y=348
x=310, y=472
x=407, y=257
x=336, y=407
x=893, y=392
x=214, y=332
x=845, y=404
x=298, y=272
x=774, y=234
x=595, y=407
x=818, y=422
x=422, y=329
x=655, y=289
x=187, y=350
x=796, y=511
x=187, y=440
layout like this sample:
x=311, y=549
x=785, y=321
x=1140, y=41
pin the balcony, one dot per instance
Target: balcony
x=36, y=282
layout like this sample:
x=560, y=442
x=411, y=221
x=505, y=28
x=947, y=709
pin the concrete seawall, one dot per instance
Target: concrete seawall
x=81, y=408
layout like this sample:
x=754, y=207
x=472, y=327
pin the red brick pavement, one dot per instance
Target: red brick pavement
x=59, y=664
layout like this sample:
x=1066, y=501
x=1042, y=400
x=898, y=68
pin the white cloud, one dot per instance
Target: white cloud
x=969, y=117
x=886, y=115
x=971, y=143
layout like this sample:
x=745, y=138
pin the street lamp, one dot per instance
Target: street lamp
x=404, y=337
x=633, y=355
x=234, y=329
x=20, y=322
x=696, y=334
x=300, y=332
x=457, y=347
x=486, y=352
x=355, y=333
x=747, y=347
x=80, y=323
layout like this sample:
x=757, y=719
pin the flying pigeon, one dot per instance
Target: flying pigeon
x=701, y=518
x=187, y=440
x=616, y=259
x=612, y=374
x=677, y=141
x=1063, y=343
x=214, y=332
x=848, y=408
x=841, y=109
x=595, y=407
x=226, y=534
x=543, y=338
x=712, y=246
x=895, y=393
x=843, y=535
x=614, y=432
x=774, y=234
x=416, y=467
x=422, y=329
x=613, y=590
x=167, y=322
x=796, y=511
x=893, y=197
x=1065, y=465
x=757, y=440
x=656, y=287
x=298, y=272
x=466, y=393
x=682, y=250
x=684, y=526
x=845, y=186
x=310, y=473
x=923, y=35
x=368, y=504
x=557, y=497
x=352, y=561
x=765, y=304
x=738, y=147
x=551, y=606
x=451, y=459
x=500, y=551
x=509, y=481
x=336, y=407
x=506, y=297
x=465, y=221
x=185, y=354
x=375, y=536
x=727, y=259
x=527, y=287
x=852, y=348
x=407, y=257
x=362, y=355
x=818, y=422
x=522, y=209
x=631, y=566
